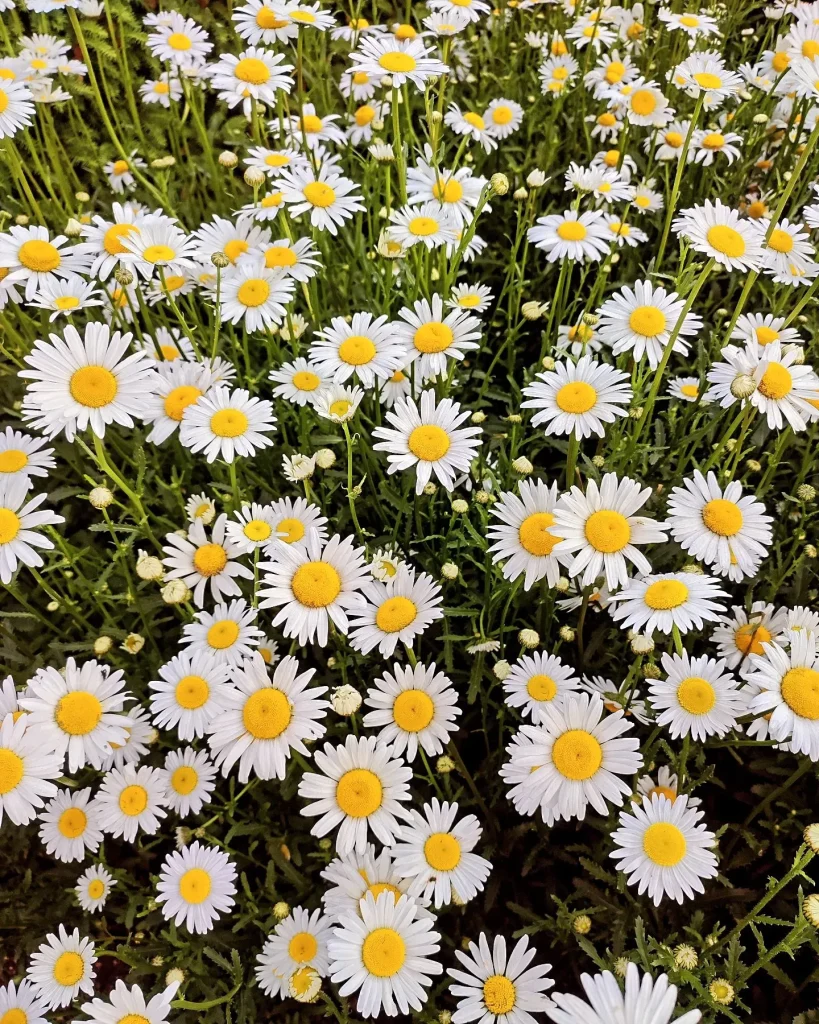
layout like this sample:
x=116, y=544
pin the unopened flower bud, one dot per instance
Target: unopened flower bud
x=449, y=570
x=567, y=634
x=685, y=956
x=429, y=488
x=721, y=991
x=220, y=260
x=743, y=386
x=805, y=492
x=73, y=228
x=501, y=670
x=520, y=194
x=547, y=363
x=162, y=162
x=175, y=592
x=529, y=638
x=21, y=219
x=82, y=197
x=228, y=159
x=599, y=461
x=281, y=910
x=444, y=765
x=522, y=465
x=532, y=310
x=651, y=672
x=149, y=567
x=254, y=177
x=435, y=117
x=810, y=908
x=535, y=178
x=482, y=497
x=460, y=506
x=133, y=643
x=123, y=276
x=499, y=183
x=562, y=585
x=346, y=700
x=325, y=458
x=642, y=644
x=760, y=119
x=101, y=497
x=102, y=645
x=753, y=466
x=582, y=924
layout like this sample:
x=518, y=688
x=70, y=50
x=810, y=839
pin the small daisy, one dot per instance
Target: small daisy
x=66, y=296
x=578, y=398
x=132, y=799
x=312, y=584
x=34, y=257
x=789, y=692
x=196, y=886
x=361, y=787
x=526, y=538
x=299, y=260
x=664, y=849
x=330, y=198
x=641, y=319
x=366, y=347
x=228, y=634
x=431, y=338
x=430, y=438
x=62, y=967
x=190, y=780
x=557, y=73
x=300, y=382
x=355, y=874
x=189, y=693
x=698, y=698
x=666, y=785
x=427, y=225
x=687, y=389
x=23, y=1004
x=695, y=25
x=535, y=681
x=179, y=385
x=499, y=987
x=255, y=74
x=413, y=707
x=264, y=719
x=338, y=402
x=786, y=244
x=625, y=234
x=583, y=237
x=16, y=107
x=70, y=825
x=471, y=125
x=718, y=231
x=181, y=41
x=455, y=193
x=644, y=1000
x=680, y=600
x=395, y=612
x=707, y=145
x=718, y=525
x=785, y=390
x=120, y=172
x=18, y=522
x=203, y=562
x=235, y=240
x=126, y=1004
x=163, y=90
x=295, y=519
x=253, y=529
x=298, y=944
x=159, y=246
x=742, y=633
x=405, y=61
x=646, y=199
x=601, y=529
x=472, y=298
x=502, y=118
x=255, y=295
x=385, y=955
x=26, y=770
x=200, y=508
x=763, y=328
x=93, y=888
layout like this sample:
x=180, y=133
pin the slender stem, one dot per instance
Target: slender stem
x=675, y=188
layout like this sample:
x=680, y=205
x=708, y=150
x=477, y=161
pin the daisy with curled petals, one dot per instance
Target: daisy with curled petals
x=33, y=256
x=582, y=237
x=386, y=955
x=78, y=712
x=743, y=633
x=431, y=338
x=125, y=1004
x=338, y=402
x=362, y=787
x=196, y=886
x=81, y=381
x=435, y=851
x=62, y=967
x=430, y=438
x=601, y=529
x=189, y=693
x=294, y=519
x=224, y=424
x=255, y=74
x=69, y=825
x=719, y=526
x=396, y=612
x=140, y=735
x=299, y=260
x=312, y=584
x=698, y=698
x=786, y=390
x=255, y=295
x=672, y=600
x=329, y=198
x=405, y=61
x=264, y=719
x=640, y=319
x=707, y=145
x=298, y=946
x=704, y=74
x=499, y=987
x=27, y=767
x=22, y=1004
x=535, y=681
x=23, y=456
x=18, y=521
x=525, y=536
x=471, y=125
x=578, y=398
x=414, y=706
x=365, y=347
x=93, y=888
x=664, y=849
x=131, y=799
x=789, y=692
x=355, y=874
x=190, y=780
x=300, y=382
x=644, y=1000
x=228, y=633
x=179, y=384
x=427, y=225
x=718, y=231
x=203, y=562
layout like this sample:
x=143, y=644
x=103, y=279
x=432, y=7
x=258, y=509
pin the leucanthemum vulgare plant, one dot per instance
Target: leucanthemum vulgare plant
x=408, y=511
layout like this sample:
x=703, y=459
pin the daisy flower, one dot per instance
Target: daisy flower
x=786, y=244
x=666, y=785
x=367, y=347
x=78, y=712
x=428, y=225
x=262, y=22
x=120, y=172
x=70, y=825
x=93, y=888
x=203, y=562
x=130, y=799
x=294, y=519
x=625, y=234
x=414, y=706
x=228, y=634
x=330, y=198
x=662, y=602
x=496, y=986
x=583, y=237
x=535, y=681
x=81, y=381
x=695, y=25
x=602, y=530
x=641, y=320
x=698, y=698
x=308, y=15
x=355, y=874
x=578, y=398
x=361, y=787
x=271, y=160
x=432, y=338
x=62, y=967
x=502, y=117
x=718, y=231
x=430, y=438
x=199, y=508
x=395, y=612
x=255, y=74
x=298, y=945
x=706, y=145
x=159, y=246
x=385, y=955
x=338, y=402
x=785, y=389
x=189, y=693
x=255, y=295
x=742, y=633
x=435, y=852
x=163, y=90
x=23, y=1004
x=645, y=104
x=664, y=849
x=405, y=61
x=18, y=522
x=687, y=389
x=763, y=328
x=254, y=528
x=125, y=1003
x=181, y=41
x=647, y=199
x=300, y=382
x=191, y=779
x=470, y=124
x=26, y=770
x=196, y=886
x=178, y=386
x=225, y=423
x=16, y=107
x=789, y=692
x=719, y=526
x=704, y=74
x=31, y=255
x=525, y=537
x=235, y=240
x=265, y=719
x=64, y=297
x=556, y=73
x=455, y=192
x=654, y=1001
x=312, y=584
x=625, y=698
x=473, y=298
x=299, y=260
x=611, y=69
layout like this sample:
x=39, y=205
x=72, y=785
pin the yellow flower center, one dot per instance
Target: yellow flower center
x=359, y=793
x=690, y=390
x=705, y=80
x=448, y=191
x=607, y=120
x=423, y=226
x=577, y=754
x=223, y=634
x=765, y=335
x=800, y=691
x=179, y=41
x=577, y=397
x=252, y=71
x=810, y=48
x=689, y=20
x=413, y=710
x=235, y=248
x=302, y=947
x=395, y=614
x=534, y=535
x=383, y=952
x=662, y=791
x=290, y=530
x=178, y=400
x=269, y=201
x=475, y=120
x=643, y=102
x=499, y=994
x=356, y=350
x=396, y=61
x=469, y=301
x=305, y=380
x=78, y=713
x=72, y=823
x=404, y=32
x=120, y=167
x=158, y=254
x=560, y=73
x=311, y=124
x=161, y=88
x=360, y=78
x=665, y=594
x=229, y=423
x=306, y=17
x=722, y=517
x=433, y=337
x=41, y=257
x=648, y=321
x=9, y=525
x=615, y=72
x=12, y=769
x=318, y=194
x=378, y=887
x=192, y=692
x=184, y=780
x=429, y=443
x=673, y=139
x=442, y=851
x=726, y=240
x=257, y=530
x=696, y=695
x=277, y=159
x=364, y=115
x=267, y=713
x=664, y=844
x=750, y=638
x=340, y=407
x=780, y=241
x=96, y=888
x=133, y=800
x=316, y=584
x=12, y=460
x=541, y=688
x=502, y=115
x=713, y=140
x=210, y=559
x=111, y=241
x=93, y=386
x=253, y=292
x=781, y=61
x=607, y=531
x=195, y=885
x=65, y=302
x=571, y=231
x=68, y=969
